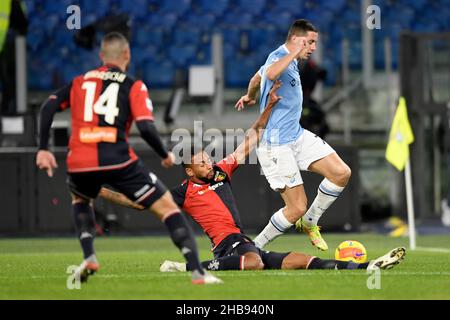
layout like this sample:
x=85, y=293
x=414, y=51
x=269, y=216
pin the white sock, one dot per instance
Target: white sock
x=327, y=193
x=277, y=225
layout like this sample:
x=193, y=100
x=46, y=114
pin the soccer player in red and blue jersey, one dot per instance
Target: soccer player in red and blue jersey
x=104, y=103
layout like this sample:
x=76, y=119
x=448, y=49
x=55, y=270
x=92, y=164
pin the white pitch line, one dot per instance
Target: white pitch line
x=439, y=250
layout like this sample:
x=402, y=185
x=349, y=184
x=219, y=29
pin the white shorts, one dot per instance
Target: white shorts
x=282, y=164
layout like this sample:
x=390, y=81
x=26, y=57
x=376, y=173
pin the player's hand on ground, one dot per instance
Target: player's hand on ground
x=273, y=97
x=244, y=100
x=169, y=160
x=45, y=160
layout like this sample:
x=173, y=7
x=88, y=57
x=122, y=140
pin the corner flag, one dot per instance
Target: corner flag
x=400, y=137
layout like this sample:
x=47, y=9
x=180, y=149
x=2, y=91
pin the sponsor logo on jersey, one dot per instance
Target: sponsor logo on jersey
x=98, y=134
x=211, y=188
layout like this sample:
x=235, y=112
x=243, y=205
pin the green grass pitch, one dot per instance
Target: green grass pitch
x=36, y=269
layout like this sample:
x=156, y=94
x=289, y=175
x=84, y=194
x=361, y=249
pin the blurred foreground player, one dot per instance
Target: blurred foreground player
x=104, y=102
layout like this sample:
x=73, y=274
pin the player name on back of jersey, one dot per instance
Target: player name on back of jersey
x=106, y=75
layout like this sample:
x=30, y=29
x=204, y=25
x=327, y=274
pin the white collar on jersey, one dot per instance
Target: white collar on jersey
x=285, y=48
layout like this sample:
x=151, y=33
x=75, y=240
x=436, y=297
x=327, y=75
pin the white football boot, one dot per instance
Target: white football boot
x=389, y=260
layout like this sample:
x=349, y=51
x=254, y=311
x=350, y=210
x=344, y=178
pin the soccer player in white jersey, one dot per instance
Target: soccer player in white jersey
x=287, y=148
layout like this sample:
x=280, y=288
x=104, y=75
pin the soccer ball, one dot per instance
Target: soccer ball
x=351, y=250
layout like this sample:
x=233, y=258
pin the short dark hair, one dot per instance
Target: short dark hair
x=300, y=27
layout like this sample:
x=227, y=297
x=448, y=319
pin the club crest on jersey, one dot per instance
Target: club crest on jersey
x=219, y=176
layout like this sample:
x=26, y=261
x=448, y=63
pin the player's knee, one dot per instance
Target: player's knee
x=297, y=210
x=343, y=175
x=253, y=262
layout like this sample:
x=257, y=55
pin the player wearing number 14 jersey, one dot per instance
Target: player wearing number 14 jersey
x=103, y=103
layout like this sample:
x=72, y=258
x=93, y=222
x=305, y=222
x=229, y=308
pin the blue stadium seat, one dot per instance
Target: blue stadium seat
x=238, y=19
x=229, y=51
x=164, y=21
x=135, y=8
x=89, y=19
x=279, y=19
x=146, y=36
x=142, y=55
x=35, y=39
x=99, y=8
x=296, y=7
x=416, y=4
x=182, y=55
x=260, y=36
x=203, y=55
x=186, y=36
x=216, y=7
x=239, y=71
x=178, y=7
x=232, y=36
x=159, y=75
x=51, y=23
x=56, y=7
x=334, y=6
x=203, y=21
x=254, y=7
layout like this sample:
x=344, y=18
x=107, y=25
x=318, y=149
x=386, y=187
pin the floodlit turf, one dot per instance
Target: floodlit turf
x=36, y=269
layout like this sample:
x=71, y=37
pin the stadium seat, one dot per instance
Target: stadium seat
x=334, y=6
x=204, y=55
x=279, y=20
x=35, y=39
x=99, y=8
x=254, y=7
x=217, y=7
x=179, y=7
x=51, y=23
x=165, y=21
x=136, y=8
x=202, y=21
x=56, y=7
x=181, y=55
x=186, y=36
x=145, y=36
x=296, y=7
x=239, y=71
x=259, y=36
x=232, y=36
x=237, y=19
x=159, y=75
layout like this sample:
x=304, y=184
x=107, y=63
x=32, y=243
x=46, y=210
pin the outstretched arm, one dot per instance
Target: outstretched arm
x=250, y=97
x=253, y=135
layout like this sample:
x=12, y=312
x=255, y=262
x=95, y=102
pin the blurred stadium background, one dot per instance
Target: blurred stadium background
x=356, y=79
